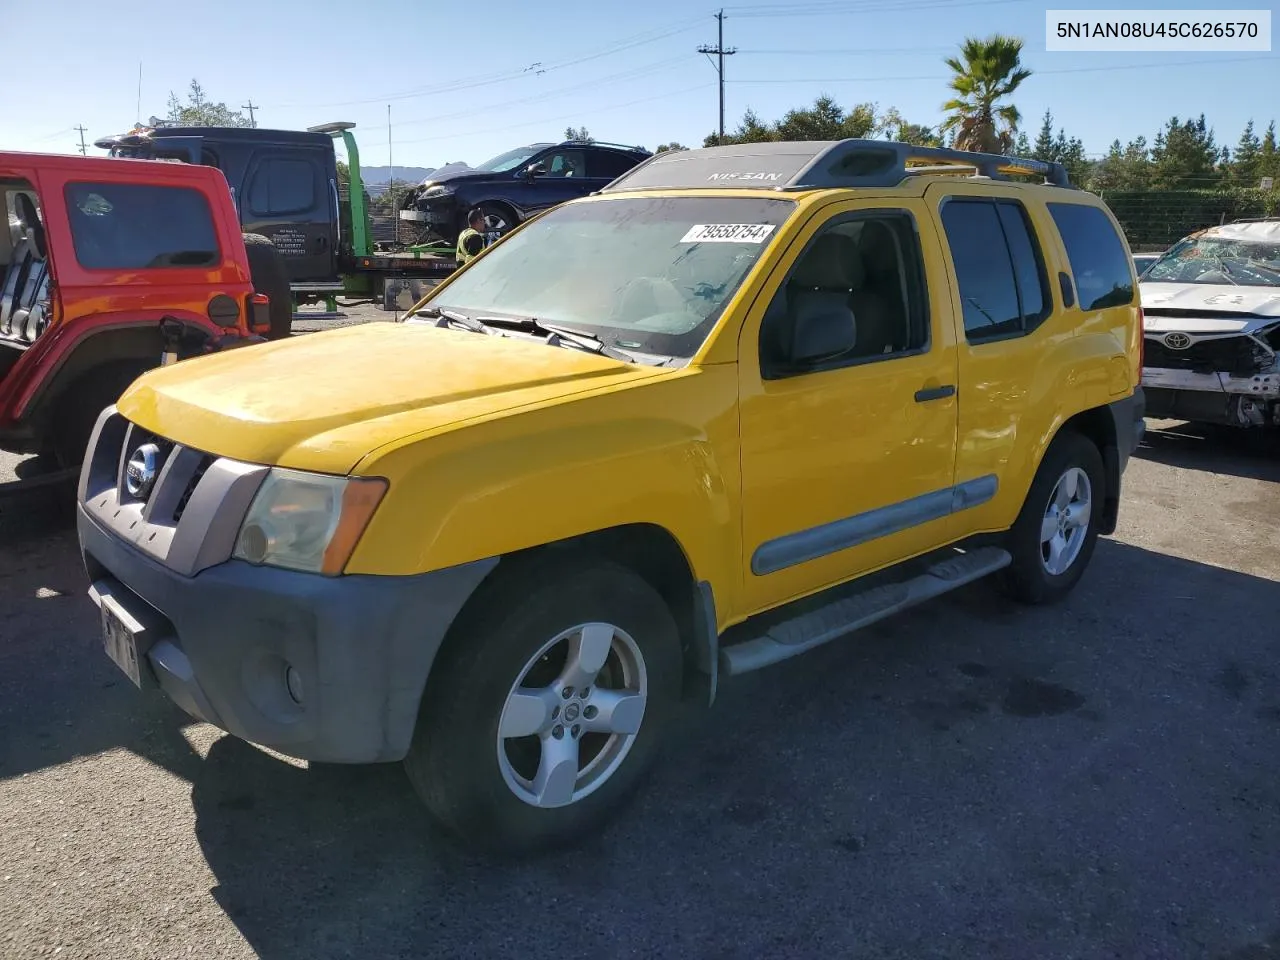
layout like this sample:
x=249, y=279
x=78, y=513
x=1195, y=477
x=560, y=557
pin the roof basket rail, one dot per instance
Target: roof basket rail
x=825, y=164
x=1272, y=219
x=846, y=162
x=606, y=143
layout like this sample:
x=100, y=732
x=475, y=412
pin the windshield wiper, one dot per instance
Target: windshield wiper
x=556, y=334
x=445, y=317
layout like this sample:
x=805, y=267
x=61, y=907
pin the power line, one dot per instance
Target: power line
x=537, y=68
x=845, y=8
x=934, y=76
x=567, y=116
x=720, y=52
x=83, y=150
x=644, y=70
x=250, y=106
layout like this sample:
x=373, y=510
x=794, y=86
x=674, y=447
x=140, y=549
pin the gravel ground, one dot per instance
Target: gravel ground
x=973, y=779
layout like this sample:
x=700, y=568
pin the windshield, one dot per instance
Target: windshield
x=1250, y=263
x=648, y=275
x=511, y=159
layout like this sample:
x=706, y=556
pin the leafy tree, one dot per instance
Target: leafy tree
x=1244, y=165
x=578, y=133
x=1268, y=158
x=673, y=145
x=200, y=111
x=1185, y=155
x=986, y=73
x=915, y=133
x=825, y=120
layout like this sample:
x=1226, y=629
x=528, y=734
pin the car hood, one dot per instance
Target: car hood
x=1208, y=307
x=325, y=400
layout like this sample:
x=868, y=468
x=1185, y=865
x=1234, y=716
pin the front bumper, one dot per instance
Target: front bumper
x=220, y=644
x=220, y=635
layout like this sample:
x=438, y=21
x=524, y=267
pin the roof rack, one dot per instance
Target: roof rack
x=815, y=164
x=1275, y=219
x=605, y=143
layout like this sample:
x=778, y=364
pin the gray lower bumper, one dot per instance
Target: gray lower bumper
x=220, y=644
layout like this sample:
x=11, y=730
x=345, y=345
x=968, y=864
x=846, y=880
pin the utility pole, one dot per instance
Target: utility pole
x=720, y=52
x=391, y=187
x=81, y=129
x=250, y=106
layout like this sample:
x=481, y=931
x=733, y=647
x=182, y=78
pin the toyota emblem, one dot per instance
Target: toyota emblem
x=1177, y=341
x=140, y=471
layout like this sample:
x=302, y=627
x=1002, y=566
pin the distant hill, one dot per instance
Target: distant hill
x=377, y=178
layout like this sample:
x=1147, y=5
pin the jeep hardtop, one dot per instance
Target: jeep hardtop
x=737, y=404
x=108, y=267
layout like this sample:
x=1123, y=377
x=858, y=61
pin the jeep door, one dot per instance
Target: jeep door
x=847, y=385
x=288, y=198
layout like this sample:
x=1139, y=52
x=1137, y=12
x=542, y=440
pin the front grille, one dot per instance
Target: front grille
x=135, y=440
x=1240, y=356
x=206, y=462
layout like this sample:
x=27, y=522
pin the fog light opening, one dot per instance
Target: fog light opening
x=293, y=680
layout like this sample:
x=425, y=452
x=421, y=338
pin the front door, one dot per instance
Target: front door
x=848, y=455
x=561, y=175
x=288, y=199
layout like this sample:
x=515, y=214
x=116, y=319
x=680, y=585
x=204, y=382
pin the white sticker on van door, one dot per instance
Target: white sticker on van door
x=728, y=233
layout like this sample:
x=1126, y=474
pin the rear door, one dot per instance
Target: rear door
x=604, y=166
x=287, y=198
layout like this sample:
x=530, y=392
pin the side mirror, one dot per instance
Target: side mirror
x=535, y=170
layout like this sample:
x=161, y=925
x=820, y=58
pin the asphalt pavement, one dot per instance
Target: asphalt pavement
x=973, y=779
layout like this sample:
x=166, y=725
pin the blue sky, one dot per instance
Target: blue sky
x=462, y=83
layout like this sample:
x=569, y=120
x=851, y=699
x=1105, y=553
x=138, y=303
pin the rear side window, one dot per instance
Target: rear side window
x=607, y=163
x=126, y=226
x=999, y=268
x=1103, y=275
x=282, y=187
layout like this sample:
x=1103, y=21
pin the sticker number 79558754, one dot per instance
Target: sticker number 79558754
x=728, y=233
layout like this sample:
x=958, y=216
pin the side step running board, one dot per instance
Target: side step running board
x=795, y=636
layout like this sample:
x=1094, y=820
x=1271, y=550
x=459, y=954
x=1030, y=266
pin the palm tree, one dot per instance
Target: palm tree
x=988, y=70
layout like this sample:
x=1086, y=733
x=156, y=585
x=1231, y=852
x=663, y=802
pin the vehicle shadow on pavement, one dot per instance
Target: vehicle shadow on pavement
x=1238, y=453
x=60, y=697
x=971, y=779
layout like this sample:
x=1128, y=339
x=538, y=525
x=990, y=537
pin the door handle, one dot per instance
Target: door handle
x=935, y=393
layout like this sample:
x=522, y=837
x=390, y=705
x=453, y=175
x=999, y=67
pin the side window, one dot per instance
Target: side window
x=565, y=163
x=127, y=226
x=1103, y=275
x=281, y=187
x=855, y=295
x=609, y=164
x=998, y=266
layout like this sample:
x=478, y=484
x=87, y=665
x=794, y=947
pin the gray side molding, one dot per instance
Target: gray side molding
x=828, y=538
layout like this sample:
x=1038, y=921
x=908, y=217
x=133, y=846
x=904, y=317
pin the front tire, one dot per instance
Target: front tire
x=1055, y=534
x=547, y=705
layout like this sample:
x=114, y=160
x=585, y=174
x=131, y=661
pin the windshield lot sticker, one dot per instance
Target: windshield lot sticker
x=728, y=233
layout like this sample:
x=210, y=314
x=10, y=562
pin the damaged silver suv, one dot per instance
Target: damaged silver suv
x=1211, y=307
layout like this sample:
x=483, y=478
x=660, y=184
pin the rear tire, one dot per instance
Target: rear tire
x=1055, y=534
x=266, y=267
x=584, y=637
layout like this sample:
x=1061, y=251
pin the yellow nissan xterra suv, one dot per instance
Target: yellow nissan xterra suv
x=654, y=438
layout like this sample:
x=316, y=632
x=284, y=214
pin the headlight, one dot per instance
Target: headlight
x=307, y=521
x=439, y=190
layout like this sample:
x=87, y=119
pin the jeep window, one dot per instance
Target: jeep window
x=648, y=275
x=1103, y=272
x=281, y=187
x=511, y=159
x=864, y=273
x=609, y=163
x=1247, y=263
x=999, y=267
x=125, y=226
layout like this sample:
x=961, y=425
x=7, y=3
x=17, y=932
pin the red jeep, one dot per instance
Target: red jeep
x=111, y=267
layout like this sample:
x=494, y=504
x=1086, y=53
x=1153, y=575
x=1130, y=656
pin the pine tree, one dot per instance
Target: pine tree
x=1043, y=149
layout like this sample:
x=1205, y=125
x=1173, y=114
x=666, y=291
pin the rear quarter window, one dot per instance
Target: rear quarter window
x=127, y=226
x=1102, y=270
